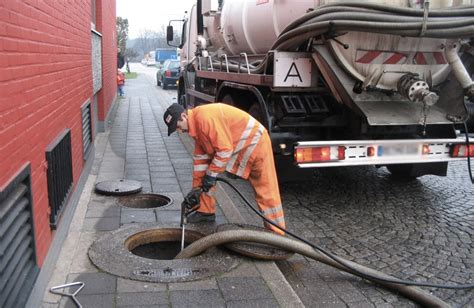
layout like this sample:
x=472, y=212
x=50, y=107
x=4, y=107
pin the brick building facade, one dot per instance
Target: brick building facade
x=52, y=103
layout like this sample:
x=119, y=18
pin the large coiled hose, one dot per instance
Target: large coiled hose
x=219, y=238
x=340, y=17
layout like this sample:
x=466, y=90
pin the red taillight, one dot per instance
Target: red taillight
x=319, y=154
x=168, y=73
x=425, y=149
x=341, y=153
x=370, y=151
x=462, y=150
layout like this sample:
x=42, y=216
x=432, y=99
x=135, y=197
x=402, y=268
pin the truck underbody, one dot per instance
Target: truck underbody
x=299, y=118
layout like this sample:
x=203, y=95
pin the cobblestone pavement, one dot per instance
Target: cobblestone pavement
x=419, y=230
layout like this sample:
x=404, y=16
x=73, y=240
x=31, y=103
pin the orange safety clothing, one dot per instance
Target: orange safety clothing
x=229, y=139
x=120, y=79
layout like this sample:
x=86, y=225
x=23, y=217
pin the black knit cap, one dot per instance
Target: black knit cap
x=171, y=117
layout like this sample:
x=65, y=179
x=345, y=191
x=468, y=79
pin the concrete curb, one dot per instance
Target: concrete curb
x=275, y=280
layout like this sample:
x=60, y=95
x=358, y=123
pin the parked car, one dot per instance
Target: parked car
x=168, y=74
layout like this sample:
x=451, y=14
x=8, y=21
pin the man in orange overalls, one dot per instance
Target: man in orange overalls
x=229, y=139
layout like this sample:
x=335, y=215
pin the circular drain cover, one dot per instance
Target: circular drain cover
x=118, y=187
x=254, y=250
x=112, y=253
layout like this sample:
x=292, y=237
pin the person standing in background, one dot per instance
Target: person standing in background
x=120, y=82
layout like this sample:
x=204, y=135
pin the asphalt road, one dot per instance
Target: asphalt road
x=420, y=230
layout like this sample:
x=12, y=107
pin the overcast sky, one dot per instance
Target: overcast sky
x=151, y=14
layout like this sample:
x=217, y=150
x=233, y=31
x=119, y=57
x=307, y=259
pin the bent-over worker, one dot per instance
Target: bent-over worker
x=228, y=139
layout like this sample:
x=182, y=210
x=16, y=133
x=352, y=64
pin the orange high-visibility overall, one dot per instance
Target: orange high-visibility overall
x=229, y=139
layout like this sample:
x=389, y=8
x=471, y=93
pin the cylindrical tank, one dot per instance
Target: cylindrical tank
x=252, y=26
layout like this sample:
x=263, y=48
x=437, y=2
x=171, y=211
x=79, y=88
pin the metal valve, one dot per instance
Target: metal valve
x=416, y=90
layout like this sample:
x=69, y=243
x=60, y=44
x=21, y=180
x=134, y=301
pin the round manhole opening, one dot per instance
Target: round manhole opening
x=160, y=244
x=145, y=201
x=112, y=254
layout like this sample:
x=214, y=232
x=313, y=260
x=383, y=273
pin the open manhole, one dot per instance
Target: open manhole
x=159, y=244
x=144, y=252
x=145, y=201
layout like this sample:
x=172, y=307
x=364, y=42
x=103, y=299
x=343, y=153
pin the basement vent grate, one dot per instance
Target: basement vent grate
x=60, y=181
x=18, y=268
x=86, y=129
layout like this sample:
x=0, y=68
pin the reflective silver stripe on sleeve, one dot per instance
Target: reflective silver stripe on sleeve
x=224, y=154
x=201, y=157
x=214, y=174
x=250, y=150
x=198, y=168
x=273, y=210
x=240, y=145
x=219, y=163
x=279, y=220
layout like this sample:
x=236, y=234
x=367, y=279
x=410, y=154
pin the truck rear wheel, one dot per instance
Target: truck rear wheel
x=470, y=120
x=256, y=112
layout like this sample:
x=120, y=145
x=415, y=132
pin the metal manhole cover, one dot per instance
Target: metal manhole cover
x=145, y=201
x=254, y=250
x=112, y=254
x=118, y=187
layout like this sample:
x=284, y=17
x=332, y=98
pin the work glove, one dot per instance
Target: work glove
x=208, y=182
x=192, y=198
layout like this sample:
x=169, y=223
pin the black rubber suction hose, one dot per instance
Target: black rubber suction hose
x=337, y=258
x=306, y=248
x=224, y=237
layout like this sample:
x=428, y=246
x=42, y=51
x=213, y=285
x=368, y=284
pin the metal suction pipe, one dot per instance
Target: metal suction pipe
x=459, y=70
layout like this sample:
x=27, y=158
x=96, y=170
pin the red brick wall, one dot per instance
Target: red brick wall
x=45, y=77
x=106, y=17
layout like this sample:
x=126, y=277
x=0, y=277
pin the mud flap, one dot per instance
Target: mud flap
x=416, y=170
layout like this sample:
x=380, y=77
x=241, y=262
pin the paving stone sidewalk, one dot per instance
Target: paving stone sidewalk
x=137, y=147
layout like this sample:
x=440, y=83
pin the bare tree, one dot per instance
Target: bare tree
x=122, y=33
x=149, y=40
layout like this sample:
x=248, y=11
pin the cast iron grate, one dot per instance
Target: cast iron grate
x=60, y=181
x=86, y=129
x=18, y=268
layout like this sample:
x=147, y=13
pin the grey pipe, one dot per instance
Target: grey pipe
x=381, y=27
x=219, y=238
x=459, y=70
x=374, y=8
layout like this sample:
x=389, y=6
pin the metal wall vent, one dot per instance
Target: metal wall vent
x=60, y=181
x=18, y=268
x=86, y=129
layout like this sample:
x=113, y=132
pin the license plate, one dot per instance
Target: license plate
x=399, y=150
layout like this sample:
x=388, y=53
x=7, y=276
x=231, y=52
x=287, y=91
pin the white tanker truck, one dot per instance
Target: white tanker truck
x=338, y=83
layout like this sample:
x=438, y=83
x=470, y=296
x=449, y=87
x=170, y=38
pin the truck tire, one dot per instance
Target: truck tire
x=256, y=112
x=470, y=119
x=227, y=99
x=164, y=85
